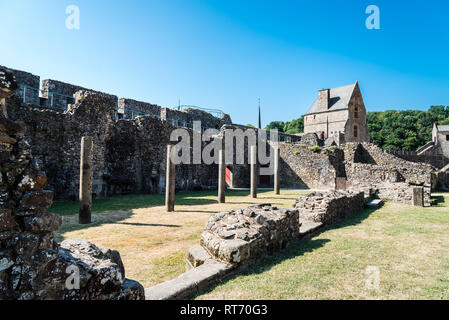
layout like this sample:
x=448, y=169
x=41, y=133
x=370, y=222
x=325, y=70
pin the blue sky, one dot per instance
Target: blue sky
x=227, y=54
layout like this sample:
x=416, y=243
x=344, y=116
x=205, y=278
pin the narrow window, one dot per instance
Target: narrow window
x=447, y=137
x=356, y=132
x=356, y=112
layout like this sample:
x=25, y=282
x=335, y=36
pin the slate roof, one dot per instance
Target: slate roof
x=339, y=99
x=443, y=128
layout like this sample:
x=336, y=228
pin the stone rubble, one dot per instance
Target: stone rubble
x=244, y=235
x=329, y=206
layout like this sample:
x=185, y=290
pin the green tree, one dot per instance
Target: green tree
x=279, y=125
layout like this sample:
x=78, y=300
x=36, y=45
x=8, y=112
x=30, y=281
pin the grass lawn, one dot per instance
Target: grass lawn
x=408, y=245
x=153, y=243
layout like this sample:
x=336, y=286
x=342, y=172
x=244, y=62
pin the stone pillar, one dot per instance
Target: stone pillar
x=170, y=181
x=276, y=170
x=253, y=164
x=418, y=196
x=85, y=195
x=221, y=176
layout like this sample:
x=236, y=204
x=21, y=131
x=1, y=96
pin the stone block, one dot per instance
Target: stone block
x=7, y=221
x=43, y=222
x=245, y=235
x=418, y=196
x=329, y=206
x=11, y=127
x=196, y=256
x=35, y=203
x=189, y=283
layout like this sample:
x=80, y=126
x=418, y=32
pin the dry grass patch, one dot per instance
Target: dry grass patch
x=153, y=243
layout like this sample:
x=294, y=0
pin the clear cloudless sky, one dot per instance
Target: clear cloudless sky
x=226, y=54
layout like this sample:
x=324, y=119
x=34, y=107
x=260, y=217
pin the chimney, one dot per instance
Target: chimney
x=323, y=99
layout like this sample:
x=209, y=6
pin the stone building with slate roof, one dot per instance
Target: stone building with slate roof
x=439, y=144
x=338, y=116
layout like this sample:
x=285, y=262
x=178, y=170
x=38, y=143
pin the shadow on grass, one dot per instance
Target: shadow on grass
x=99, y=220
x=202, y=211
x=440, y=200
x=296, y=250
x=137, y=201
x=353, y=220
x=293, y=198
x=149, y=224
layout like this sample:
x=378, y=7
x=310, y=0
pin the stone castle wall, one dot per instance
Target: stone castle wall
x=302, y=167
x=28, y=86
x=59, y=95
x=32, y=265
x=129, y=155
x=359, y=166
x=130, y=109
x=437, y=160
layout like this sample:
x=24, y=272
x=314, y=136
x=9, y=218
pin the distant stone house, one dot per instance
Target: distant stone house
x=338, y=116
x=440, y=138
x=439, y=144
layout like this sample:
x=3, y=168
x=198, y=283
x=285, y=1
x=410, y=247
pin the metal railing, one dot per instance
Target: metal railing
x=215, y=112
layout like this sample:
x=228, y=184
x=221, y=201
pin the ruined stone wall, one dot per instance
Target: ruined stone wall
x=129, y=155
x=32, y=265
x=240, y=173
x=328, y=206
x=311, y=139
x=176, y=118
x=437, y=160
x=246, y=235
x=359, y=166
x=207, y=119
x=369, y=166
x=368, y=153
x=301, y=167
x=28, y=90
x=130, y=109
x=58, y=94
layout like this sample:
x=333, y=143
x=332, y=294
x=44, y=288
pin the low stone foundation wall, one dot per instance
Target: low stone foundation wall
x=329, y=206
x=236, y=239
x=244, y=235
x=401, y=192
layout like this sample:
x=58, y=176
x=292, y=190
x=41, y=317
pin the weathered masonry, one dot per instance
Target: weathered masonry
x=233, y=240
x=33, y=266
x=362, y=166
x=129, y=149
x=130, y=139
